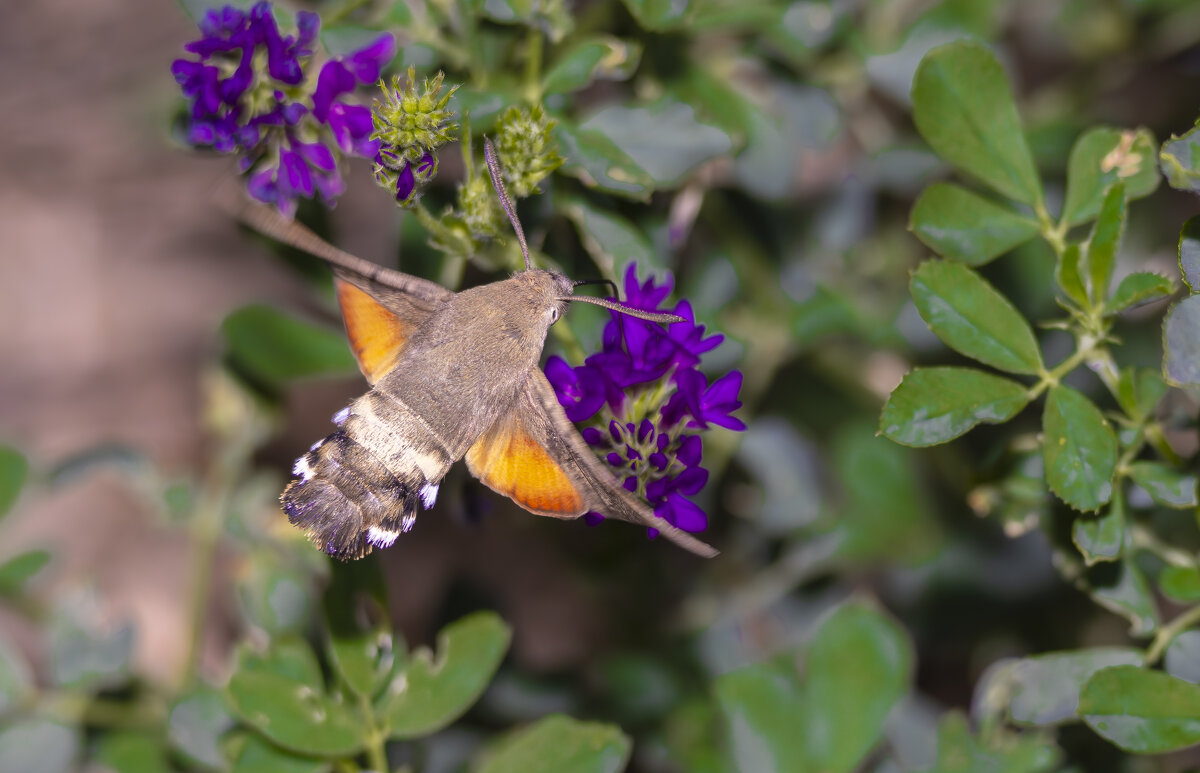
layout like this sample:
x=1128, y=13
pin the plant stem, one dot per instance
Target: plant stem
x=533, y=65
x=1168, y=632
x=375, y=735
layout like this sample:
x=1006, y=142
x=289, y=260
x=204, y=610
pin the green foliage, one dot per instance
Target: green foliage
x=558, y=744
x=858, y=666
x=765, y=155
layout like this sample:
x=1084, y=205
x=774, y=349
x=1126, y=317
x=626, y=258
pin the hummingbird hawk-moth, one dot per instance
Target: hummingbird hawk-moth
x=452, y=375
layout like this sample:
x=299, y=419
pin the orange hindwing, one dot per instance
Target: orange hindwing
x=510, y=462
x=376, y=334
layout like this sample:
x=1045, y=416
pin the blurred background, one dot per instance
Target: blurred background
x=122, y=388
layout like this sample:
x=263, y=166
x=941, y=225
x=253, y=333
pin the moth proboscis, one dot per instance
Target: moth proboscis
x=452, y=375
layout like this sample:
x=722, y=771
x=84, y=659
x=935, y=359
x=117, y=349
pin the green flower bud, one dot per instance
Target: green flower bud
x=478, y=206
x=526, y=149
x=412, y=122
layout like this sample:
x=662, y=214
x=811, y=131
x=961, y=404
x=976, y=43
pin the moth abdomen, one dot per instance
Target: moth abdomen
x=348, y=501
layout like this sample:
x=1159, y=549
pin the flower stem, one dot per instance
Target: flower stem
x=1168, y=632
x=533, y=66
x=375, y=735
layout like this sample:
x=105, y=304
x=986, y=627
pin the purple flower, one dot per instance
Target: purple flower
x=706, y=404
x=647, y=405
x=249, y=95
x=351, y=124
x=579, y=390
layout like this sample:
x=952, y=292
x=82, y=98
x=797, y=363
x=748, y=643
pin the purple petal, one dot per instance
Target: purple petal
x=333, y=81
x=367, y=62
x=690, y=450
x=684, y=513
x=316, y=154
x=691, y=480
x=594, y=437
x=406, y=185
x=295, y=175
x=261, y=185
x=308, y=24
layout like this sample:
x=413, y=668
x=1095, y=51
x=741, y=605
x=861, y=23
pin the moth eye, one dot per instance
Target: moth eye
x=553, y=315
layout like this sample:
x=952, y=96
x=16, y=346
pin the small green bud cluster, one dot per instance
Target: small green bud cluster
x=410, y=124
x=526, y=148
x=479, y=208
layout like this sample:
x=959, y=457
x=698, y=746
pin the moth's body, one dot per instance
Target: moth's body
x=457, y=374
x=453, y=375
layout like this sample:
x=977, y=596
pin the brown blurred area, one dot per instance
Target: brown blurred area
x=117, y=268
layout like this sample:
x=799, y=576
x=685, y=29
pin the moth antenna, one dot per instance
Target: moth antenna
x=651, y=316
x=489, y=152
x=270, y=223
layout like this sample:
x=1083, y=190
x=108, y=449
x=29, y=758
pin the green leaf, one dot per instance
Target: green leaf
x=294, y=715
x=934, y=405
x=1181, y=583
x=1099, y=158
x=972, y=318
x=195, y=725
x=430, y=694
x=1079, y=449
x=665, y=139
x=1182, y=658
x=659, y=15
x=277, y=597
x=1139, y=390
x=559, y=744
x=1141, y=711
x=765, y=715
x=1189, y=253
x=956, y=223
x=38, y=746
x=290, y=658
x=1045, y=688
x=1001, y=752
x=1122, y=588
x=1067, y=274
x=1138, y=288
x=859, y=666
x=360, y=636
x=1165, y=484
x=1180, y=161
x=13, y=471
x=611, y=240
x=16, y=678
x=129, y=751
x=964, y=108
x=17, y=570
x=599, y=163
x=275, y=347
x=1101, y=538
x=1181, y=343
x=596, y=57
x=1101, y=249
x=886, y=516
x=258, y=756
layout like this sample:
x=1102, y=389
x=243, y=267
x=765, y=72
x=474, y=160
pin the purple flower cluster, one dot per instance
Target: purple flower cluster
x=251, y=93
x=646, y=403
